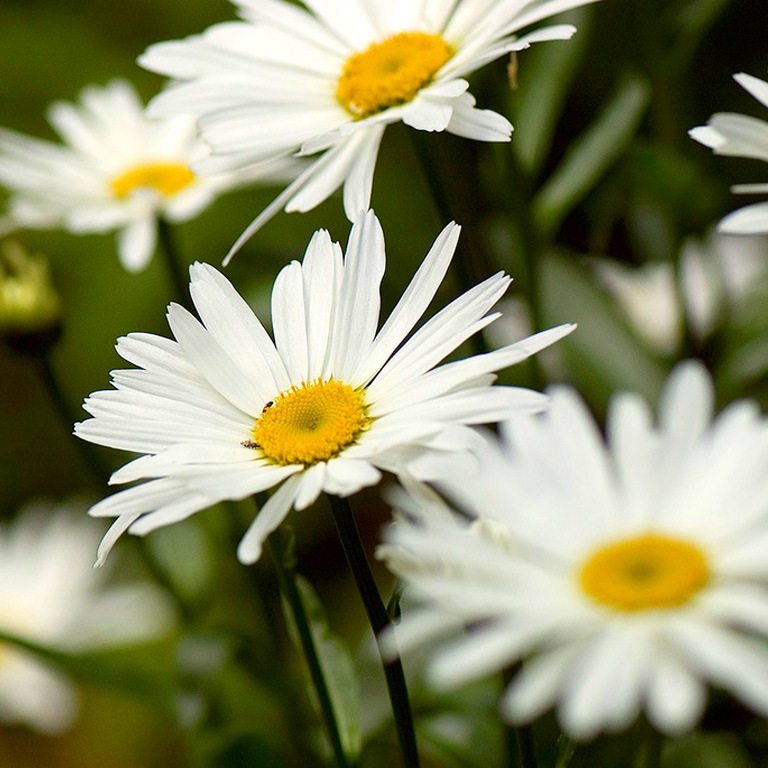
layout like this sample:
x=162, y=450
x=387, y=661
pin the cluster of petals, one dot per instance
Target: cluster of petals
x=266, y=86
x=551, y=495
x=192, y=403
x=729, y=133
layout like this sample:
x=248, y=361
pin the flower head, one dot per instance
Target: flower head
x=50, y=595
x=117, y=170
x=223, y=411
x=626, y=575
x=329, y=77
x=728, y=133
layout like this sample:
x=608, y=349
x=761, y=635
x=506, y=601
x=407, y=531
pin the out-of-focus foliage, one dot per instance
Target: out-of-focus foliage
x=600, y=166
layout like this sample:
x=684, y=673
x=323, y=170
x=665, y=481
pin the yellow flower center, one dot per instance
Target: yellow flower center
x=310, y=423
x=645, y=573
x=164, y=178
x=390, y=72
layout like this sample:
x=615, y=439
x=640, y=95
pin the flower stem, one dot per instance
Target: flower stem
x=526, y=752
x=176, y=271
x=449, y=194
x=520, y=741
x=654, y=743
x=96, y=468
x=379, y=620
x=286, y=578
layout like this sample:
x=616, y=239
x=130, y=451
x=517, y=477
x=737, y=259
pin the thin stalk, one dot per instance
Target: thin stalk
x=654, y=743
x=470, y=264
x=177, y=272
x=287, y=580
x=99, y=473
x=520, y=741
x=379, y=621
x=526, y=752
x=93, y=462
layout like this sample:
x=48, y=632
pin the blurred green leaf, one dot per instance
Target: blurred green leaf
x=602, y=354
x=715, y=750
x=100, y=670
x=337, y=666
x=591, y=155
x=546, y=74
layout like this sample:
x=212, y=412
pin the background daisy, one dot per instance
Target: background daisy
x=50, y=595
x=117, y=170
x=223, y=412
x=328, y=79
x=625, y=575
x=728, y=133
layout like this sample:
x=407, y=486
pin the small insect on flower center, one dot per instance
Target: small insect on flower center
x=390, y=72
x=645, y=573
x=311, y=423
x=164, y=178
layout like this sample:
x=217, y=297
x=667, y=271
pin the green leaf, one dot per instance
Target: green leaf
x=546, y=73
x=99, y=670
x=338, y=670
x=591, y=155
x=712, y=750
x=602, y=355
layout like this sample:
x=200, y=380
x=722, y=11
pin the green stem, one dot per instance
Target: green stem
x=176, y=271
x=521, y=748
x=526, y=751
x=379, y=621
x=97, y=469
x=653, y=746
x=286, y=578
x=449, y=194
x=519, y=199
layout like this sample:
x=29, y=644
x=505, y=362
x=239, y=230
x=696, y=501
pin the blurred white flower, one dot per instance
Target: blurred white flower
x=625, y=575
x=51, y=595
x=117, y=170
x=729, y=133
x=716, y=272
x=224, y=412
x=328, y=77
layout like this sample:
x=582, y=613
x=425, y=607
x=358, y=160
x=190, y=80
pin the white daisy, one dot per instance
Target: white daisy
x=728, y=133
x=117, y=170
x=50, y=595
x=330, y=76
x=624, y=575
x=223, y=412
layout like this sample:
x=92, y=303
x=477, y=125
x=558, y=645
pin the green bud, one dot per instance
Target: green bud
x=30, y=308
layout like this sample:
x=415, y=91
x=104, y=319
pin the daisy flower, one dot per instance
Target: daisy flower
x=117, y=170
x=224, y=412
x=50, y=595
x=625, y=575
x=728, y=133
x=330, y=76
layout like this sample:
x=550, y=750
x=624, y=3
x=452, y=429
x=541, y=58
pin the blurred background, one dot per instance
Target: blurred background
x=601, y=208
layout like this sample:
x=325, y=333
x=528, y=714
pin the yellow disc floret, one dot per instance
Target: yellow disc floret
x=390, y=72
x=311, y=423
x=645, y=573
x=164, y=178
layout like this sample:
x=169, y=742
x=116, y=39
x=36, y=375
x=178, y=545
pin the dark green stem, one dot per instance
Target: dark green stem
x=176, y=271
x=654, y=743
x=286, y=578
x=520, y=741
x=449, y=193
x=526, y=752
x=379, y=621
x=96, y=468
